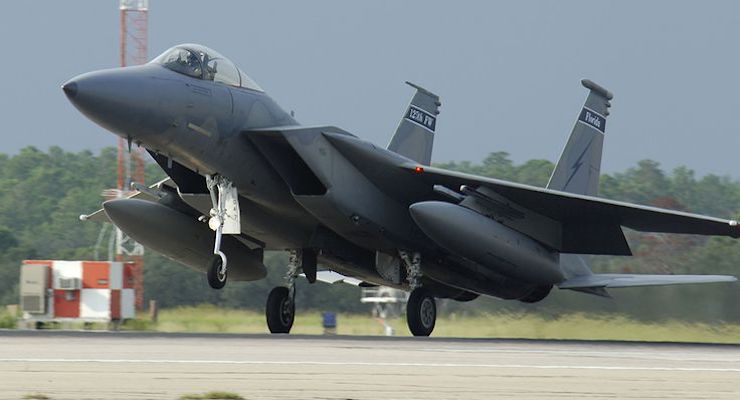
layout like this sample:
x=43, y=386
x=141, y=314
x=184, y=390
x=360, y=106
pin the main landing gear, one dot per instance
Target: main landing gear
x=421, y=312
x=421, y=308
x=224, y=219
x=280, y=310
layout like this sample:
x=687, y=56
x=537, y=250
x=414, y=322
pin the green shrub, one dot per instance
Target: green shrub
x=7, y=320
x=137, y=325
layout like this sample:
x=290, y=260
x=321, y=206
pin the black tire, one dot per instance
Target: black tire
x=280, y=310
x=216, y=279
x=421, y=313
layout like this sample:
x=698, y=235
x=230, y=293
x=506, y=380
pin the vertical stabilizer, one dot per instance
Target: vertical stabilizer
x=415, y=134
x=579, y=166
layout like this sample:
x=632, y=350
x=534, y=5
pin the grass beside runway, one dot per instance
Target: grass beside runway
x=211, y=319
x=524, y=326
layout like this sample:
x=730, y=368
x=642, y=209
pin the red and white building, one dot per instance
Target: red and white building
x=84, y=291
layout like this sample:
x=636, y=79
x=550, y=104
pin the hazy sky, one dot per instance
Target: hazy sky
x=508, y=72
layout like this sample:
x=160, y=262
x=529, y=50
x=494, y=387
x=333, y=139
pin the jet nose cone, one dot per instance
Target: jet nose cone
x=70, y=89
x=124, y=101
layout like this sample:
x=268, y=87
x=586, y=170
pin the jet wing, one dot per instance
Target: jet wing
x=581, y=210
x=151, y=192
x=634, y=280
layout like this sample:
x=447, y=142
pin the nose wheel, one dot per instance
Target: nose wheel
x=216, y=273
x=224, y=219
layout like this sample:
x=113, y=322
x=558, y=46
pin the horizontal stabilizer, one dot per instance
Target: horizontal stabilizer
x=634, y=280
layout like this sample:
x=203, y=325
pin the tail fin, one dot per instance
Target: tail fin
x=579, y=166
x=415, y=134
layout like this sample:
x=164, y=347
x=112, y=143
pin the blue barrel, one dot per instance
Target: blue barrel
x=329, y=319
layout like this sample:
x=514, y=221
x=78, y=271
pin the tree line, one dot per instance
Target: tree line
x=42, y=193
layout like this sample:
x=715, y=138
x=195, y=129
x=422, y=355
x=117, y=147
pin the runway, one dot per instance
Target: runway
x=101, y=365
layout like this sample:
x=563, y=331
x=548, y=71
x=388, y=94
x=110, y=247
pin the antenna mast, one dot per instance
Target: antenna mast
x=133, y=51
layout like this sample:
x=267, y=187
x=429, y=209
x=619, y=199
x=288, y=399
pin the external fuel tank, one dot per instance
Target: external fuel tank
x=480, y=239
x=182, y=238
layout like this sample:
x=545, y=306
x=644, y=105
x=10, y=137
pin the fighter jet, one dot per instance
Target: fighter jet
x=245, y=177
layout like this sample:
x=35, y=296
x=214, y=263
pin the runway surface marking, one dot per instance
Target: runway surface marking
x=125, y=366
x=582, y=353
x=364, y=364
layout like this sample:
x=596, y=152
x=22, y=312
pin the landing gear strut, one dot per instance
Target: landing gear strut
x=224, y=219
x=280, y=310
x=421, y=309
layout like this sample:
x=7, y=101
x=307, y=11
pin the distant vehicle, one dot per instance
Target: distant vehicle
x=56, y=291
x=243, y=167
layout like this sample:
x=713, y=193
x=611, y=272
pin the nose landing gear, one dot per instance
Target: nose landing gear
x=224, y=219
x=216, y=273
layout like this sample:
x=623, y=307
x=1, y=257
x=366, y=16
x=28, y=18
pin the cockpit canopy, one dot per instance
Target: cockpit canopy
x=203, y=63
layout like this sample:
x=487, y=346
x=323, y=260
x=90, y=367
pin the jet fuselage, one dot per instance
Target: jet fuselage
x=211, y=128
